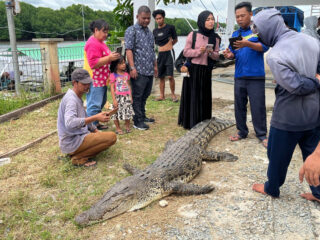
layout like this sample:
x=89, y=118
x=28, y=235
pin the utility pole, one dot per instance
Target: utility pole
x=83, y=29
x=12, y=34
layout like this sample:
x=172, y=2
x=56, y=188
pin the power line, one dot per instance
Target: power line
x=52, y=33
x=216, y=9
x=203, y=5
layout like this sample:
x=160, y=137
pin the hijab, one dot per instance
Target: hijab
x=202, y=18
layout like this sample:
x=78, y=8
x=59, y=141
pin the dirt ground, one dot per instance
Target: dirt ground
x=231, y=211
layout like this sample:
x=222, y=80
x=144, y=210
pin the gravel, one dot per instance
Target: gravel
x=234, y=211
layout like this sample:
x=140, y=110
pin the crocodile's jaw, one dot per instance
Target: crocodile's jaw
x=119, y=199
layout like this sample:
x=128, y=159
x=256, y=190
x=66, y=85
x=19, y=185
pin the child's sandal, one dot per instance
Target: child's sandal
x=128, y=130
x=119, y=132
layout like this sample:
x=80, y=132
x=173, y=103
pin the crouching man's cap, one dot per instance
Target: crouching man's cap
x=81, y=75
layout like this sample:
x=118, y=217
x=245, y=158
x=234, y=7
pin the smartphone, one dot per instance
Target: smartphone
x=209, y=46
x=113, y=111
x=119, y=50
x=233, y=40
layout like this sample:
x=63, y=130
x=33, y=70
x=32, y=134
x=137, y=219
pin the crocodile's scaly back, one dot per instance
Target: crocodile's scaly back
x=204, y=131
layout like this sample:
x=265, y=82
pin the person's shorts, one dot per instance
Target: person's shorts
x=165, y=63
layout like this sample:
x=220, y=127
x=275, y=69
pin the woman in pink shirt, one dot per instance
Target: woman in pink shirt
x=97, y=58
x=196, y=95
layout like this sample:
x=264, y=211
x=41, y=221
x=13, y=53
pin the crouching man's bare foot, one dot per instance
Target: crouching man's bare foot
x=258, y=187
x=309, y=197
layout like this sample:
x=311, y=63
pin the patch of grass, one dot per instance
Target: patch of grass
x=10, y=101
x=48, y=181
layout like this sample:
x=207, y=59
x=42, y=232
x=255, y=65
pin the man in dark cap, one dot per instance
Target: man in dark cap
x=78, y=136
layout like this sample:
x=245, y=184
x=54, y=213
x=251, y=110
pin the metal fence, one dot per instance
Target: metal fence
x=32, y=66
x=71, y=58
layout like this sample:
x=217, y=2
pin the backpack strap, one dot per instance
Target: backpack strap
x=194, y=38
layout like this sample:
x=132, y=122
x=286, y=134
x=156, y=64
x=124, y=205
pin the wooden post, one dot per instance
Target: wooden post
x=50, y=66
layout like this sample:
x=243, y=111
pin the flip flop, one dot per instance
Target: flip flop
x=89, y=163
x=235, y=138
x=175, y=99
x=128, y=130
x=119, y=132
x=264, y=142
x=102, y=127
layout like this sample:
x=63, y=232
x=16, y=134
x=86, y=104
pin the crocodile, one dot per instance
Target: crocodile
x=178, y=164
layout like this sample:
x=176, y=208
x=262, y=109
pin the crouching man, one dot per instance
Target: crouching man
x=78, y=136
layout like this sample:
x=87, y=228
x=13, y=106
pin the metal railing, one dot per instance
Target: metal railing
x=30, y=65
x=71, y=58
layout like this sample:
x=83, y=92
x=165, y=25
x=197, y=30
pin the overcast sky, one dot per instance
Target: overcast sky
x=191, y=10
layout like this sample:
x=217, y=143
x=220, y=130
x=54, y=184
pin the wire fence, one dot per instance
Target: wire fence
x=33, y=73
x=32, y=66
x=30, y=62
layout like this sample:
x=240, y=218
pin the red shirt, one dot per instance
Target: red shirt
x=94, y=50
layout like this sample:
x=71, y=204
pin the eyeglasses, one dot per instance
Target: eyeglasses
x=253, y=28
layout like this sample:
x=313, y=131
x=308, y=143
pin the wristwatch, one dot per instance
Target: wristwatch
x=132, y=68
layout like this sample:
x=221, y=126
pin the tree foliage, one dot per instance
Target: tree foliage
x=43, y=22
x=124, y=13
x=166, y=2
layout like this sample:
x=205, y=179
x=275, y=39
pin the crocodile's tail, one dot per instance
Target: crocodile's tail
x=207, y=129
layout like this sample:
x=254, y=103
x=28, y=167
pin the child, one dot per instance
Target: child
x=121, y=94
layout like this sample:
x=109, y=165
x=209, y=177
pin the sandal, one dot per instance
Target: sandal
x=128, y=130
x=264, y=142
x=159, y=99
x=88, y=163
x=175, y=99
x=235, y=138
x=102, y=127
x=119, y=132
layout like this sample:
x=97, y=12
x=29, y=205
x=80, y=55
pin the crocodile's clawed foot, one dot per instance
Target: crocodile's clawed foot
x=207, y=188
x=228, y=157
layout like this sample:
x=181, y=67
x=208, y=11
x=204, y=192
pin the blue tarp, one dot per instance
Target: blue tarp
x=292, y=15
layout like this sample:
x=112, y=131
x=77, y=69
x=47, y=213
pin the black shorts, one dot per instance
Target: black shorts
x=165, y=63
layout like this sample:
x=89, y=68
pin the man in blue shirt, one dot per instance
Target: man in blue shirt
x=249, y=76
x=143, y=65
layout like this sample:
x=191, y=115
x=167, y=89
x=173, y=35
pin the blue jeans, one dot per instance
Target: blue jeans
x=255, y=91
x=281, y=146
x=141, y=89
x=96, y=99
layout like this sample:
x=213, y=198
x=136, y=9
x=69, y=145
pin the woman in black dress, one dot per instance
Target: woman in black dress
x=196, y=95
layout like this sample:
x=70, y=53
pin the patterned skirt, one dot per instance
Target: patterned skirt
x=125, y=110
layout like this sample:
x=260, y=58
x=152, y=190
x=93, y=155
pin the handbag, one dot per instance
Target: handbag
x=182, y=60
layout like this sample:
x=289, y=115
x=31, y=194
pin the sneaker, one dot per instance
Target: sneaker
x=141, y=126
x=149, y=120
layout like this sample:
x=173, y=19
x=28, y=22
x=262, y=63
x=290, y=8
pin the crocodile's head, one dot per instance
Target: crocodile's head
x=121, y=198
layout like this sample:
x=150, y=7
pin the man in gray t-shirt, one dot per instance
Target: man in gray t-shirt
x=78, y=136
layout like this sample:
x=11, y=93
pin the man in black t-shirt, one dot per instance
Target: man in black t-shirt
x=165, y=37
